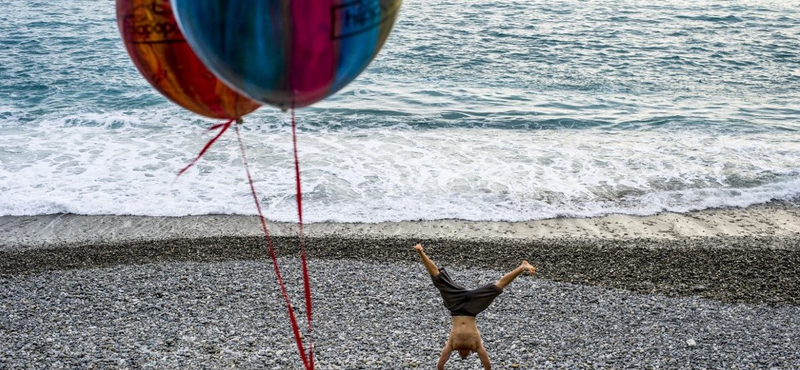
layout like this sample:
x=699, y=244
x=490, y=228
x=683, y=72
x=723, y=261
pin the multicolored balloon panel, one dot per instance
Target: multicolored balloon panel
x=160, y=52
x=286, y=53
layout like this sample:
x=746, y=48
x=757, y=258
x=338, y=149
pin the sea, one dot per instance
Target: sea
x=501, y=110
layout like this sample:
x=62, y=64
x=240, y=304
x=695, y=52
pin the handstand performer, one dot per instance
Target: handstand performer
x=464, y=305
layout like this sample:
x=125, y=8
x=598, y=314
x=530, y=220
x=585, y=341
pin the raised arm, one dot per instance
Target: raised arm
x=446, y=351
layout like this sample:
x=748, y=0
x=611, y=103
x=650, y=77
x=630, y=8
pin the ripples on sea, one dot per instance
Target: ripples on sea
x=478, y=110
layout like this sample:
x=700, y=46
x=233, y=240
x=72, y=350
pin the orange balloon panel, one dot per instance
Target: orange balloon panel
x=157, y=47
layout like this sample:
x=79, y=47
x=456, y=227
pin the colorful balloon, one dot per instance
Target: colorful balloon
x=286, y=53
x=160, y=52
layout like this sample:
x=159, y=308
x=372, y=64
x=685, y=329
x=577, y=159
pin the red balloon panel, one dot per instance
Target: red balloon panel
x=160, y=52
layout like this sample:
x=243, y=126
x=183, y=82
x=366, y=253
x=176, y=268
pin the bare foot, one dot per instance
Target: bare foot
x=418, y=247
x=527, y=267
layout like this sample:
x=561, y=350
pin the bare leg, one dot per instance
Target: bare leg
x=429, y=265
x=509, y=277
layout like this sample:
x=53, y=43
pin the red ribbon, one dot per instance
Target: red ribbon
x=306, y=280
x=308, y=359
x=224, y=127
x=295, y=328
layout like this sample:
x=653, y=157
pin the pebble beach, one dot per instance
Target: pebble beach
x=642, y=155
x=141, y=293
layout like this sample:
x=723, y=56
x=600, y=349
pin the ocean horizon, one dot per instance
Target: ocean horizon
x=478, y=111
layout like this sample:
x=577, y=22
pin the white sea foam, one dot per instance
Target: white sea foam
x=386, y=174
x=480, y=112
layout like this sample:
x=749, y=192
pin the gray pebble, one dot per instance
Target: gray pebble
x=230, y=314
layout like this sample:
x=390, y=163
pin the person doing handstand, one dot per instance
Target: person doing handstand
x=464, y=306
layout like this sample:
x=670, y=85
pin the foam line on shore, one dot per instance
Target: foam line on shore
x=774, y=219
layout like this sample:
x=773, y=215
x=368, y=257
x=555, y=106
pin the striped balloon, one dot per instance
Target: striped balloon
x=286, y=53
x=158, y=49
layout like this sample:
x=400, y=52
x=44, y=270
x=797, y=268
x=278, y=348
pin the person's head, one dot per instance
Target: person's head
x=463, y=353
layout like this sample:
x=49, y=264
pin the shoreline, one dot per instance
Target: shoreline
x=745, y=255
x=777, y=219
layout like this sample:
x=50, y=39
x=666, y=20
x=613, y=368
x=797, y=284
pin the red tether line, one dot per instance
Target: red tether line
x=308, y=360
x=295, y=328
x=306, y=280
x=224, y=127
